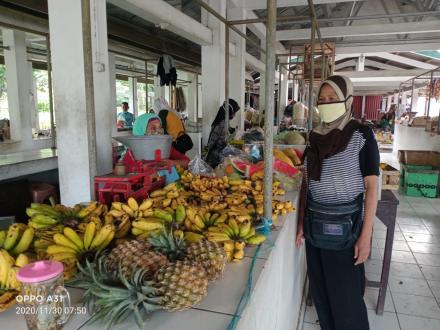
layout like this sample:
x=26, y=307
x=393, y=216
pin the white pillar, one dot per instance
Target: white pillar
x=295, y=90
x=80, y=72
x=132, y=95
x=363, y=107
x=262, y=96
x=213, y=67
x=112, y=100
x=360, y=63
x=159, y=91
x=284, y=88
x=19, y=87
x=34, y=99
x=237, y=66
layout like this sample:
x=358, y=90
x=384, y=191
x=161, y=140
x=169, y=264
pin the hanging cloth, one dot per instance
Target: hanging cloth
x=166, y=70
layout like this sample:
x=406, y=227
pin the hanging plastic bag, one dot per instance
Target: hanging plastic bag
x=199, y=167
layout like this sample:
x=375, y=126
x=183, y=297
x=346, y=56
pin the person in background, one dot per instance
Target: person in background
x=341, y=166
x=288, y=110
x=126, y=118
x=147, y=124
x=173, y=125
x=217, y=138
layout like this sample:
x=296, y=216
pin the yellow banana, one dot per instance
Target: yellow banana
x=87, y=210
x=128, y=210
x=148, y=213
x=226, y=229
x=21, y=260
x=63, y=256
x=137, y=231
x=170, y=186
x=55, y=249
x=178, y=234
x=193, y=237
x=133, y=204
x=228, y=246
x=158, y=193
x=257, y=239
x=60, y=239
x=107, y=240
x=25, y=241
x=198, y=221
x=101, y=236
x=89, y=234
x=245, y=227
x=146, y=204
x=217, y=237
x=172, y=194
x=117, y=206
x=250, y=234
x=166, y=202
x=6, y=262
x=147, y=225
x=234, y=226
x=12, y=281
x=12, y=236
x=239, y=255
x=2, y=237
x=239, y=245
x=116, y=213
x=74, y=237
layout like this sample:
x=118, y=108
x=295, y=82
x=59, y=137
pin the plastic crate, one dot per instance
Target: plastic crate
x=390, y=177
x=421, y=183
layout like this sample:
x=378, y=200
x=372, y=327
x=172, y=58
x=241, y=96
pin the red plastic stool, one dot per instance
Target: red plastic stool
x=41, y=191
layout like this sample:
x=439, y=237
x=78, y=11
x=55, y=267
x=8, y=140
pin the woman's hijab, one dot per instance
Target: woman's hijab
x=330, y=138
x=233, y=109
x=141, y=123
x=160, y=104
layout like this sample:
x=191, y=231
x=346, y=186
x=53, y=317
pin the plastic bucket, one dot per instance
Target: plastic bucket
x=147, y=146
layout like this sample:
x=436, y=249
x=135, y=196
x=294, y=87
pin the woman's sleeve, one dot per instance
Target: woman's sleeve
x=369, y=157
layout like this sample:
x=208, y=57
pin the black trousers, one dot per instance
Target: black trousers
x=337, y=287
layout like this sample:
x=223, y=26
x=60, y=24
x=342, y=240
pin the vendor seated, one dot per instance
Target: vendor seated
x=147, y=124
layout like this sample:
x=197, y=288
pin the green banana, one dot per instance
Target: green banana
x=2, y=237
x=12, y=236
x=25, y=241
x=44, y=219
x=180, y=213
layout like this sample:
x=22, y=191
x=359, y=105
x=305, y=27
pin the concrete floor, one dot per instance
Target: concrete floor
x=413, y=298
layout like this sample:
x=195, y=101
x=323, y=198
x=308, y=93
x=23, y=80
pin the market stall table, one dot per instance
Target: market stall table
x=22, y=163
x=275, y=300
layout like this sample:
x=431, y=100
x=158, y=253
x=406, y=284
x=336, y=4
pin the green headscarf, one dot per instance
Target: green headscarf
x=141, y=122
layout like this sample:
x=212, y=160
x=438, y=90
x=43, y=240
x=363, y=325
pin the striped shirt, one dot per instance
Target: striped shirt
x=342, y=175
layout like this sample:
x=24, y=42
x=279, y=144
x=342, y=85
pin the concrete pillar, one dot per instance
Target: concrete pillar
x=363, y=107
x=35, y=123
x=19, y=87
x=132, y=96
x=284, y=88
x=360, y=63
x=262, y=97
x=237, y=66
x=83, y=104
x=112, y=83
x=213, y=67
x=296, y=90
x=159, y=91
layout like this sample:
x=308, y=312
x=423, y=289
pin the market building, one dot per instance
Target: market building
x=114, y=137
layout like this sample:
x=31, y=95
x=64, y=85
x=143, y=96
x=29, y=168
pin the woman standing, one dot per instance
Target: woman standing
x=342, y=166
x=217, y=137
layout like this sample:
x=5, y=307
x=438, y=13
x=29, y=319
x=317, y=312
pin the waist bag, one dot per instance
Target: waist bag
x=334, y=226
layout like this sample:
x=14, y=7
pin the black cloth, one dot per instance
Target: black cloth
x=233, y=108
x=183, y=143
x=337, y=288
x=369, y=157
x=288, y=111
x=166, y=77
x=324, y=146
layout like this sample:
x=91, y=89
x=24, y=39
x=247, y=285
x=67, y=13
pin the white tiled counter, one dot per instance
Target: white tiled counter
x=274, y=304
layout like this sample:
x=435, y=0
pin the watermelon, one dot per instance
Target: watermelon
x=239, y=166
x=298, y=153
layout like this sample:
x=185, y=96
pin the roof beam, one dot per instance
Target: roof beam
x=368, y=62
x=404, y=60
x=389, y=46
x=381, y=75
x=161, y=13
x=261, y=4
x=362, y=30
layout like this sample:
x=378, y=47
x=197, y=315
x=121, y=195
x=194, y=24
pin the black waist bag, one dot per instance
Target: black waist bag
x=333, y=227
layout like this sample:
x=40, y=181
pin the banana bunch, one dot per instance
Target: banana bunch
x=122, y=225
x=93, y=209
x=17, y=239
x=281, y=208
x=132, y=209
x=196, y=183
x=234, y=250
x=43, y=216
x=7, y=299
x=9, y=268
x=145, y=227
x=170, y=197
x=70, y=246
x=200, y=220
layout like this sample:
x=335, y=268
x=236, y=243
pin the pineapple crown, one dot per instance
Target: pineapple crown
x=115, y=298
x=170, y=245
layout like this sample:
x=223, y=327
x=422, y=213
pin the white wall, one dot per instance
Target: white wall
x=414, y=138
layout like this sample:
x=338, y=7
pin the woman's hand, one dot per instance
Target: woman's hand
x=299, y=236
x=362, y=247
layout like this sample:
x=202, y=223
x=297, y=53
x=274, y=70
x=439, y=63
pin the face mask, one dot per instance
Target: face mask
x=331, y=111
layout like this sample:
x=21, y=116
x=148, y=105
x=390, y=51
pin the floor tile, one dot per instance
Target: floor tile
x=387, y=321
x=409, y=286
x=416, y=305
x=372, y=276
x=377, y=253
x=435, y=287
x=424, y=248
x=398, y=236
x=310, y=326
x=412, y=220
x=431, y=273
x=417, y=229
x=370, y=299
x=409, y=322
x=434, y=230
x=410, y=270
x=397, y=245
x=427, y=259
x=373, y=266
x=421, y=238
x=403, y=256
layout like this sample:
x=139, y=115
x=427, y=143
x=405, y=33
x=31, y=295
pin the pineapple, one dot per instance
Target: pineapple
x=209, y=254
x=175, y=286
x=132, y=255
